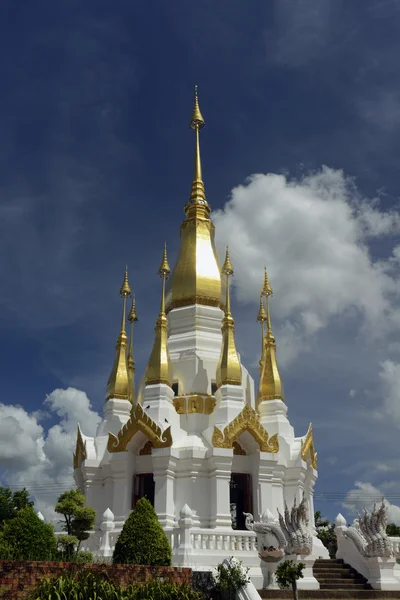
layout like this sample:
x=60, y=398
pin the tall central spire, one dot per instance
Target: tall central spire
x=159, y=368
x=196, y=278
x=229, y=370
x=197, y=205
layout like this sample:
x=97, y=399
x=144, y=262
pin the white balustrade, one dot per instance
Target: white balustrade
x=396, y=546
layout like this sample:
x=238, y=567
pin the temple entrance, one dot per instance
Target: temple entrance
x=143, y=487
x=240, y=498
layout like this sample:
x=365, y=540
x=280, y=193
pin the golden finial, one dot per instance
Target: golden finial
x=132, y=318
x=196, y=120
x=229, y=370
x=266, y=288
x=270, y=387
x=159, y=367
x=262, y=315
x=164, y=267
x=118, y=382
x=125, y=287
x=227, y=268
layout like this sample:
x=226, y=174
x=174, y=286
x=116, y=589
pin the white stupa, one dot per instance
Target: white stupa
x=196, y=435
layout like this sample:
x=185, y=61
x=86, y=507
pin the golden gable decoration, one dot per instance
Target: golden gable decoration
x=308, y=448
x=139, y=421
x=247, y=420
x=80, y=450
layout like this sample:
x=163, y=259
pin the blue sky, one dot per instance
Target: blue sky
x=96, y=166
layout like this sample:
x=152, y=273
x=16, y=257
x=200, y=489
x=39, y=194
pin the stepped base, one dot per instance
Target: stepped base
x=336, y=580
x=328, y=594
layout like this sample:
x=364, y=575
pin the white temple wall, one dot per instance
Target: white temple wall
x=192, y=487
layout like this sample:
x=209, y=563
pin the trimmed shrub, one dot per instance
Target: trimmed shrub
x=142, y=540
x=26, y=537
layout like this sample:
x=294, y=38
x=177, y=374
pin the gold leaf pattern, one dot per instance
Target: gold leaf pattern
x=139, y=421
x=247, y=420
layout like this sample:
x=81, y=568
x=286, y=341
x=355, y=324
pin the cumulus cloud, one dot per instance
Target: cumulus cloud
x=366, y=494
x=390, y=378
x=42, y=461
x=312, y=233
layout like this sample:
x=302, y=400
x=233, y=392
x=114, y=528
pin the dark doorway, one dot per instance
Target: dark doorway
x=143, y=487
x=240, y=499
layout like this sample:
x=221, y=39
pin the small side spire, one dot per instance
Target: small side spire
x=118, y=382
x=270, y=387
x=132, y=318
x=261, y=318
x=159, y=367
x=229, y=370
x=197, y=205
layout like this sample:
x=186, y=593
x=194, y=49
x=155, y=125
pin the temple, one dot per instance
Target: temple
x=195, y=436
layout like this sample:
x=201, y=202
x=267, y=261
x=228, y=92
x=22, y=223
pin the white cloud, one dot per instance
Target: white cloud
x=43, y=462
x=312, y=235
x=366, y=494
x=390, y=377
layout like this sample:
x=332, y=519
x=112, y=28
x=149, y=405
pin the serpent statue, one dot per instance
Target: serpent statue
x=369, y=533
x=292, y=532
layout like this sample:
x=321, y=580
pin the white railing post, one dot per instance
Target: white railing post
x=106, y=526
x=184, y=552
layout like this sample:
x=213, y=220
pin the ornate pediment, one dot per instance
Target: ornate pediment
x=80, y=450
x=247, y=420
x=139, y=421
x=308, y=448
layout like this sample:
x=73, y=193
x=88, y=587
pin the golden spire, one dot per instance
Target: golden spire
x=132, y=318
x=159, y=367
x=261, y=318
x=229, y=370
x=197, y=205
x=118, y=382
x=270, y=387
x=196, y=278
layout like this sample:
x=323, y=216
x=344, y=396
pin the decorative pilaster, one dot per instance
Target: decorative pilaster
x=220, y=464
x=164, y=470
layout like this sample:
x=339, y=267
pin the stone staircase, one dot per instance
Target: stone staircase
x=336, y=580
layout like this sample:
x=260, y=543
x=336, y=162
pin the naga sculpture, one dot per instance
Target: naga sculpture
x=369, y=533
x=292, y=532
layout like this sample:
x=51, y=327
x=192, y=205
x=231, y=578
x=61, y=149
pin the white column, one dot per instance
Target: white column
x=164, y=469
x=230, y=402
x=120, y=494
x=263, y=470
x=220, y=475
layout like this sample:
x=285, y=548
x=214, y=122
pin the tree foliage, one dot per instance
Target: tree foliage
x=142, y=540
x=326, y=533
x=78, y=519
x=287, y=574
x=11, y=503
x=26, y=537
x=393, y=530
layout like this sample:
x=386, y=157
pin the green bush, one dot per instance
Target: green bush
x=142, y=540
x=86, y=586
x=26, y=537
x=228, y=580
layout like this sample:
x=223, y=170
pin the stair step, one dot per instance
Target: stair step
x=333, y=572
x=330, y=594
x=341, y=586
x=340, y=580
x=330, y=561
